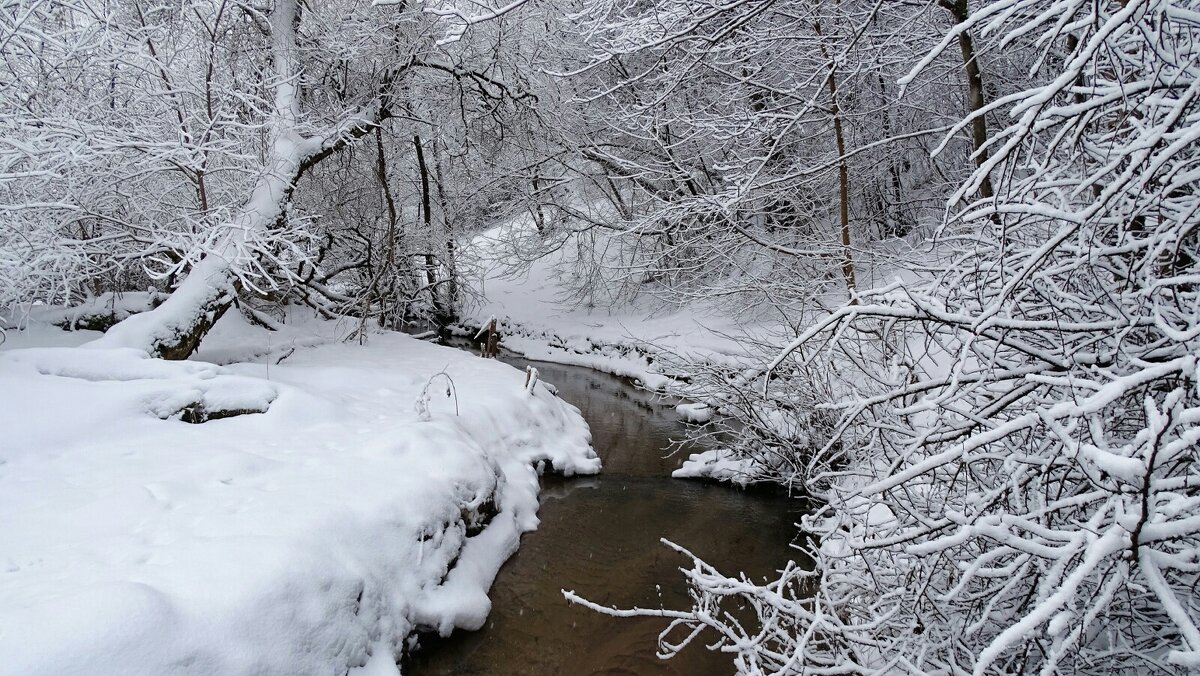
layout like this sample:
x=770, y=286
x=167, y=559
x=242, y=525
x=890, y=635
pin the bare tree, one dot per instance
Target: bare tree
x=174, y=329
x=195, y=126
x=748, y=136
x=1009, y=476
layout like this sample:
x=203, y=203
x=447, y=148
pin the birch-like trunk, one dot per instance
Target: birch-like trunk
x=174, y=329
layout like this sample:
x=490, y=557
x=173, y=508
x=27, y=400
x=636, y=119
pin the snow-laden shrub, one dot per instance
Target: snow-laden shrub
x=1013, y=483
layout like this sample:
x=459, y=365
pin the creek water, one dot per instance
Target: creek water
x=600, y=536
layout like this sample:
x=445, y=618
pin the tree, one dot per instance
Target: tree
x=174, y=329
x=1009, y=479
x=196, y=125
x=746, y=137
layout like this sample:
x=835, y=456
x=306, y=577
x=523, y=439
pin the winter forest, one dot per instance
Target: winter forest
x=919, y=278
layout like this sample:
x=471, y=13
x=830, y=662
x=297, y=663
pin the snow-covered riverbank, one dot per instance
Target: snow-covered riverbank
x=664, y=349
x=541, y=318
x=312, y=538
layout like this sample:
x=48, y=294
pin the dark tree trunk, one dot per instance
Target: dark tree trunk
x=448, y=231
x=439, y=309
x=975, y=94
x=843, y=174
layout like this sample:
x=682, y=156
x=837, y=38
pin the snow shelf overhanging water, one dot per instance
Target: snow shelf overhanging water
x=314, y=537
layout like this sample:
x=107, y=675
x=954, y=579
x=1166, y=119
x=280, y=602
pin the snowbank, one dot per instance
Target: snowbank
x=621, y=358
x=311, y=538
x=720, y=465
x=95, y=314
x=697, y=414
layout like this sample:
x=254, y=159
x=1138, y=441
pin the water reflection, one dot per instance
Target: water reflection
x=600, y=537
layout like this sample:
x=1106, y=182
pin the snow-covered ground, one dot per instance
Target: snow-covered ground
x=312, y=538
x=635, y=338
x=655, y=345
x=538, y=319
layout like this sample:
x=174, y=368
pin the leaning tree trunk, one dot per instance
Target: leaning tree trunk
x=174, y=329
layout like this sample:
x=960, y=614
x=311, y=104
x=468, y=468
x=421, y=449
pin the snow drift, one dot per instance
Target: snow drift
x=313, y=537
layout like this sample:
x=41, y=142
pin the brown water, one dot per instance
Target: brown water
x=600, y=537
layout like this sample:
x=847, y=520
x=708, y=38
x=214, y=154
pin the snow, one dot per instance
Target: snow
x=696, y=413
x=105, y=308
x=234, y=339
x=44, y=335
x=719, y=465
x=539, y=319
x=311, y=538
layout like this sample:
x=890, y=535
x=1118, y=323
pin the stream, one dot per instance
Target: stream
x=600, y=537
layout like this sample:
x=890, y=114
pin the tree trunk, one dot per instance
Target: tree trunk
x=539, y=216
x=174, y=329
x=398, y=281
x=975, y=95
x=448, y=233
x=431, y=274
x=843, y=175
x=896, y=225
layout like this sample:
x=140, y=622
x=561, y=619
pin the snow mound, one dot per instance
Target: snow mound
x=697, y=414
x=96, y=313
x=719, y=465
x=313, y=537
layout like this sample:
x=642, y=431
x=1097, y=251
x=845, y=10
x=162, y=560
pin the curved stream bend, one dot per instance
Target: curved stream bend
x=600, y=537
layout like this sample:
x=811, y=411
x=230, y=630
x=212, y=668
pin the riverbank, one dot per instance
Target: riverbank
x=670, y=350
x=602, y=537
x=628, y=334
x=377, y=492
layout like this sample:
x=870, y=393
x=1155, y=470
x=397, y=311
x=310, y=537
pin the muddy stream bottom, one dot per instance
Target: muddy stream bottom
x=599, y=536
